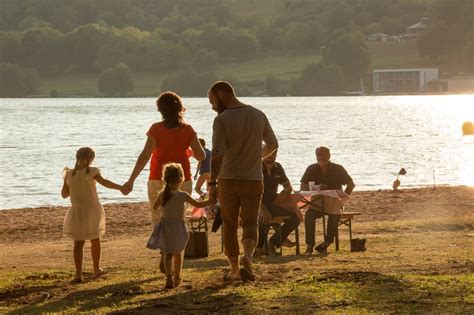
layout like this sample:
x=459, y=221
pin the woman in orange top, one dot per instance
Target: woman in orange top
x=168, y=141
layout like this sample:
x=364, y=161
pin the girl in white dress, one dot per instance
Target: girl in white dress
x=170, y=234
x=85, y=219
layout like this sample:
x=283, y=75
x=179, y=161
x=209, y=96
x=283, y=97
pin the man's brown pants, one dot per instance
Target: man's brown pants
x=242, y=198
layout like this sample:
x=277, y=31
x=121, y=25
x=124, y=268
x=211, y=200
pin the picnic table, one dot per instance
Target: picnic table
x=328, y=202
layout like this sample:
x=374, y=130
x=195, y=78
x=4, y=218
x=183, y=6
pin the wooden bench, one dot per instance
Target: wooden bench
x=346, y=219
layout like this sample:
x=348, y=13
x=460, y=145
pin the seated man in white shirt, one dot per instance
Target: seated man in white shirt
x=329, y=176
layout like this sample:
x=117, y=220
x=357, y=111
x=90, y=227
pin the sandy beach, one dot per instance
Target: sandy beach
x=423, y=232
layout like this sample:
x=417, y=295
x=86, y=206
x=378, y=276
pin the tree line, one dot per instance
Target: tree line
x=450, y=35
x=57, y=37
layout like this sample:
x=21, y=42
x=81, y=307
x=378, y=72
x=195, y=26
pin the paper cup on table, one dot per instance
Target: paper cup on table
x=311, y=186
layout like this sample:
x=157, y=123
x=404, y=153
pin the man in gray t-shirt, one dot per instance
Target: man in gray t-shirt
x=236, y=171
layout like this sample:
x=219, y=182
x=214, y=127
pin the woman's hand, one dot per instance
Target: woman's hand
x=127, y=188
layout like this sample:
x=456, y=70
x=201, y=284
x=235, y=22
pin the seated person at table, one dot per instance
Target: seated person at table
x=274, y=175
x=329, y=176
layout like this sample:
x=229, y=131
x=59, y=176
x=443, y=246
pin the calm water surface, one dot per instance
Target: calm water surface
x=373, y=137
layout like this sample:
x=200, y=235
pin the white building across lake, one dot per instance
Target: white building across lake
x=403, y=80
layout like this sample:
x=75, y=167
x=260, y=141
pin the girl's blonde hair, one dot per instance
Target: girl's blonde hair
x=172, y=174
x=85, y=153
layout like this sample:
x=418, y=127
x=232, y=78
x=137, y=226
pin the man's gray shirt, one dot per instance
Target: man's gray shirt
x=238, y=134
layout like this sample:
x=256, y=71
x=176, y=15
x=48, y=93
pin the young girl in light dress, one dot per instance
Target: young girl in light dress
x=85, y=219
x=170, y=234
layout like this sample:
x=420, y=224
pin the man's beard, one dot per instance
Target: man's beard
x=220, y=107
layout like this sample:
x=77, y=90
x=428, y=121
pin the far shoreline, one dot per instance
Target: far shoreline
x=260, y=96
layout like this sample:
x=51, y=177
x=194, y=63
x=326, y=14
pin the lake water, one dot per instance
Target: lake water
x=371, y=136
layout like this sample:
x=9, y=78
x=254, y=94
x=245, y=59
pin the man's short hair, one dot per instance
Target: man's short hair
x=323, y=150
x=222, y=86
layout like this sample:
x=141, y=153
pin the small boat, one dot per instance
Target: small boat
x=360, y=92
x=354, y=93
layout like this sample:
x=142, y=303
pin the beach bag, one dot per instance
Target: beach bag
x=198, y=244
x=358, y=245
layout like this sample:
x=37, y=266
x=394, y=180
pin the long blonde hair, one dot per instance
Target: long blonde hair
x=84, y=153
x=172, y=174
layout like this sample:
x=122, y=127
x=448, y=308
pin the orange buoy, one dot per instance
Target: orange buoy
x=468, y=128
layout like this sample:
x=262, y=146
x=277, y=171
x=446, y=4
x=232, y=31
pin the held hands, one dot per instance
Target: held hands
x=213, y=193
x=211, y=202
x=126, y=188
x=123, y=190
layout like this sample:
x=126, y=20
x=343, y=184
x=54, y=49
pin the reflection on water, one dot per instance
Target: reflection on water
x=373, y=137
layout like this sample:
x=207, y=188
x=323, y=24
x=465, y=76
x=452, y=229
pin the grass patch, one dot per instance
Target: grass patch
x=285, y=67
x=85, y=85
x=397, y=55
x=369, y=291
x=351, y=291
